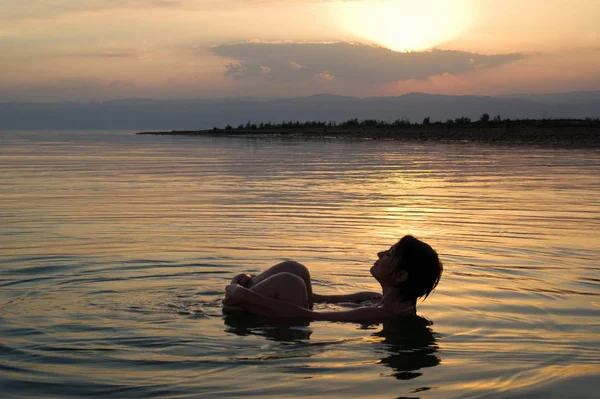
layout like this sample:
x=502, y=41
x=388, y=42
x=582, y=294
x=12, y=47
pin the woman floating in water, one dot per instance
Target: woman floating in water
x=410, y=269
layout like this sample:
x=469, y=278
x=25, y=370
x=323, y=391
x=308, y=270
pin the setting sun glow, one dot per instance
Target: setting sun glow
x=404, y=25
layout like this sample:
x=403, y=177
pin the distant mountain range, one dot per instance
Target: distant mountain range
x=141, y=114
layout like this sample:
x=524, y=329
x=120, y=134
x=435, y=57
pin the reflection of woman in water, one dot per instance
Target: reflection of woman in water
x=407, y=344
x=410, y=269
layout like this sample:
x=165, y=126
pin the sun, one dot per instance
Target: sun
x=403, y=25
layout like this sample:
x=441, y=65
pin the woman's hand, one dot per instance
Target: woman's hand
x=245, y=280
x=233, y=294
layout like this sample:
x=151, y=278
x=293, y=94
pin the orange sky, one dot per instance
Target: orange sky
x=96, y=49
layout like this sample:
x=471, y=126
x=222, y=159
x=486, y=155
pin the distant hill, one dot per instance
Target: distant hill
x=144, y=114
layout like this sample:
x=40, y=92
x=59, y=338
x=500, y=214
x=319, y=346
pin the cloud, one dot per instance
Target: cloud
x=21, y=9
x=294, y=62
x=12, y=10
x=109, y=54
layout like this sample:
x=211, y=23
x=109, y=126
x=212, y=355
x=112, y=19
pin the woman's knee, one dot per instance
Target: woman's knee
x=293, y=289
x=289, y=280
x=298, y=269
x=293, y=267
x=284, y=286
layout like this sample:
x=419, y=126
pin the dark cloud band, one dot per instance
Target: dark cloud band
x=293, y=62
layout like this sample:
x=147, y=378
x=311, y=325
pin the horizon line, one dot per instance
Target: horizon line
x=265, y=98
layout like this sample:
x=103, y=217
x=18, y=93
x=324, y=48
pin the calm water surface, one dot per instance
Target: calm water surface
x=115, y=249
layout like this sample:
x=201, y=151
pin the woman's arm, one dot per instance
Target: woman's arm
x=260, y=304
x=239, y=296
x=356, y=297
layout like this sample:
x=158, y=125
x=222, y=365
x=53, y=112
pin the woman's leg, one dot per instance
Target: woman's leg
x=285, y=287
x=292, y=267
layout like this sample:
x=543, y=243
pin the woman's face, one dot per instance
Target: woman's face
x=384, y=268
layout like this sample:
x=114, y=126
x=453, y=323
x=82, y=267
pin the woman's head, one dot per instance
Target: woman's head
x=410, y=265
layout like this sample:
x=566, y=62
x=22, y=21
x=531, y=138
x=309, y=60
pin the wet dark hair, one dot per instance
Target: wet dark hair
x=422, y=264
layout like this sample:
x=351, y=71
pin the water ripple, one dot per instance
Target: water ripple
x=116, y=249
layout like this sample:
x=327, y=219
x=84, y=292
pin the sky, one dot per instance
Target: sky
x=89, y=50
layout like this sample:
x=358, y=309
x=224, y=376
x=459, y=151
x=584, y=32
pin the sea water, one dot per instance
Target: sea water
x=115, y=250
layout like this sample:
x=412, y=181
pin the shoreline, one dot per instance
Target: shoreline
x=557, y=135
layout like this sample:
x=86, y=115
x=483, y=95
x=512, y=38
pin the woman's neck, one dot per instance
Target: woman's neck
x=396, y=302
x=392, y=292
